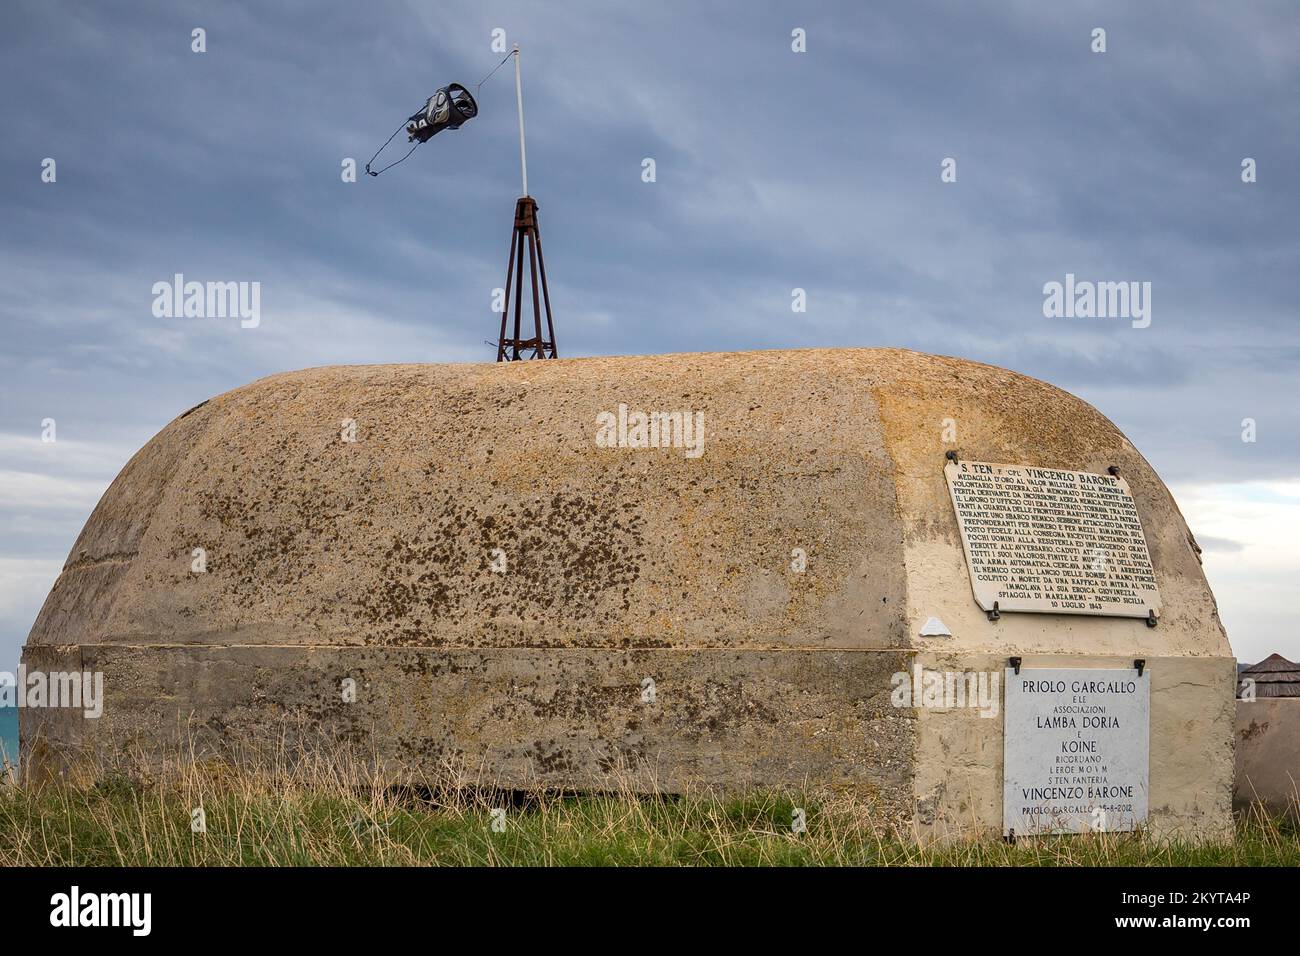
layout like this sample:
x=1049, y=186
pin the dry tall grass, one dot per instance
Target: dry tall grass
x=293, y=805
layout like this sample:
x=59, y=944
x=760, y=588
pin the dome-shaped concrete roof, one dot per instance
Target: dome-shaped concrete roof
x=476, y=508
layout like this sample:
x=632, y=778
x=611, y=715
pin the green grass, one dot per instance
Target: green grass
x=279, y=818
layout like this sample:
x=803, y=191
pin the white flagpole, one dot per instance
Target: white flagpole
x=519, y=98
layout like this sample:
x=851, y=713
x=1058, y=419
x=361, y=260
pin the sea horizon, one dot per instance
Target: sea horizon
x=9, y=734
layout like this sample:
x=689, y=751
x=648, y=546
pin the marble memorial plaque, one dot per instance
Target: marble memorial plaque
x=1076, y=748
x=1052, y=541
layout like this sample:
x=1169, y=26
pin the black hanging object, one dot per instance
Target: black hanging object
x=448, y=108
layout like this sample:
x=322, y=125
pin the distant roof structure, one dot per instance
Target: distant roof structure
x=1274, y=676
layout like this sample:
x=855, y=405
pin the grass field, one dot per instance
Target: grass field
x=315, y=815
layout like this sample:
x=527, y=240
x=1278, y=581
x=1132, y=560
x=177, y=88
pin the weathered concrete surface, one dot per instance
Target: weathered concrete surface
x=563, y=717
x=1268, y=753
x=334, y=555
x=387, y=540
x=1006, y=418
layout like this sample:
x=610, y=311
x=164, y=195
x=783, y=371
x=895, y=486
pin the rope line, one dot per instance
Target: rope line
x=477, y=87
x=385, y=146
x=494, y=69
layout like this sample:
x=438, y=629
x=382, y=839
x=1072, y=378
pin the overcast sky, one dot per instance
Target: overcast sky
x=774, y=170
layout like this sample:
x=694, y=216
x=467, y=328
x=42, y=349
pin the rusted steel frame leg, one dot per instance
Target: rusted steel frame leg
x=505, y=305
x=519, y=280
x=546, y=294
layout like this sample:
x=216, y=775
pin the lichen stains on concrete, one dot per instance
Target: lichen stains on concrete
x=571, y=554
x=389, y=539
x=1252, y=729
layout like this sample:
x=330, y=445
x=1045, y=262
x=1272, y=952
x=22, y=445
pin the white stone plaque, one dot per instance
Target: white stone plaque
x=1075, y=750
x=1052, y=541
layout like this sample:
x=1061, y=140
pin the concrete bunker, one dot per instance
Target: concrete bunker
x=499, y=585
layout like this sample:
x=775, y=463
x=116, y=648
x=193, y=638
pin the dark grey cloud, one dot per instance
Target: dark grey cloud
x=775, y=170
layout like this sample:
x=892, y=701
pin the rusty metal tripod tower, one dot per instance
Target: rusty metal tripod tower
x=538, y=345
